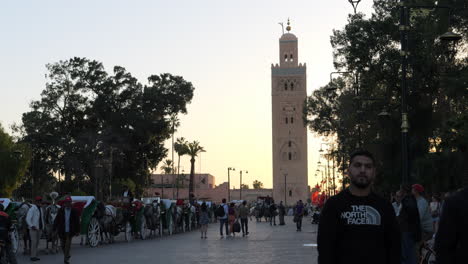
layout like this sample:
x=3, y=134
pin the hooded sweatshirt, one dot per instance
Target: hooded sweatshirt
x=357, y=229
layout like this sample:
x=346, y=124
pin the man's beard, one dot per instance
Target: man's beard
x=361, y=182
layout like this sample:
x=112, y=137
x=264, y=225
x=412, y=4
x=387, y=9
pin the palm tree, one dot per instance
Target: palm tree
x=175, y=123
x=181, y=149
x=193, y=149
x=167, y=167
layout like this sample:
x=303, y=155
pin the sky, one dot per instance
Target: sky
x=225, y=48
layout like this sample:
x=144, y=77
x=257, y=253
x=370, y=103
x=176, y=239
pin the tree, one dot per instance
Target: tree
x=14, y=160
x=257, y=184
x=244, y=186
x=348, y=108
x=181, y=149
x=87, y=117
x=167, y=166
x=193, y=149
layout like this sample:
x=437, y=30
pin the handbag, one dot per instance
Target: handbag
x=296, y=218
x=236, y=227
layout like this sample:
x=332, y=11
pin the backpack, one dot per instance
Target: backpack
x=220, y=211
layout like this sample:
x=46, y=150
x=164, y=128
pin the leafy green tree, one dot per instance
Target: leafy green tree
x=87, y=118
x=193, y=149
x=257, y=184
x=351, y=108
x=14, y=160
x=244, y=186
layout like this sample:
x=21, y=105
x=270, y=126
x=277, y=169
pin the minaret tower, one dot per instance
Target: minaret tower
x=288, y=92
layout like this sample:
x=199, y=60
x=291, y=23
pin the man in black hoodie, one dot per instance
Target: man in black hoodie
x=356, y=225
x=451, y=242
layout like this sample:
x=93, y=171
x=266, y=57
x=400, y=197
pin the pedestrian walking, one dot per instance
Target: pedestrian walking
x=273, y=213
x=410, y=226
x=451, y=241
x=435, y=207
x=67, y=224
x=298, y=214
x=357, y=225
x=35, y=222
x=222, y=214
x=204, y=219
x=243, y=215
x=232, y=217
x=5, y=227
x=425, y=218
x=281, y=213
x=397, y=202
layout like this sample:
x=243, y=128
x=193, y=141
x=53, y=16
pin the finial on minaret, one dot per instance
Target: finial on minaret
x=288, y=28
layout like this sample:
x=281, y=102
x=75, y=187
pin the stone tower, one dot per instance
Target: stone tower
x=288, y=92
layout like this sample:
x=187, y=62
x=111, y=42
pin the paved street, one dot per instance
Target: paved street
x=265, y=244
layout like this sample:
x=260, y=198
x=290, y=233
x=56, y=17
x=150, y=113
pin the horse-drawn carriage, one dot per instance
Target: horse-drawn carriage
x=89, y=223
x=10, y=208
x=127, y=217
x=152, y=214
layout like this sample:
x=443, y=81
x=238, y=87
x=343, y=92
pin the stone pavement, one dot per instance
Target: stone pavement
x=265, y=244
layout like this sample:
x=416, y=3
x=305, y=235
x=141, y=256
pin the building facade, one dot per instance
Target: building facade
x=288, y=92
x=168, y=186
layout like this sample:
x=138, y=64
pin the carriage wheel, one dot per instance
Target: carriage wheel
x=15, y=240
x=128, y=232
x=143, y=229
x=94, y=231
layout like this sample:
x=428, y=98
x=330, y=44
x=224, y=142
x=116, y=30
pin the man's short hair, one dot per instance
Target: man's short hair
x=361, y=152
x=224, y=200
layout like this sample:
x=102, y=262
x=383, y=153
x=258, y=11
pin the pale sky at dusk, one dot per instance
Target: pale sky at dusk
x=225, y=48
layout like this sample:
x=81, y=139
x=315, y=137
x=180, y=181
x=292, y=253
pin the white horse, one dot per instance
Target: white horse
x=23, y=227
x=51, y=234
x=107, y=220
x=152, y=214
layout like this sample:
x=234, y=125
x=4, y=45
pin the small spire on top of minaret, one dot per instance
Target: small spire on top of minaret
x=288, y=28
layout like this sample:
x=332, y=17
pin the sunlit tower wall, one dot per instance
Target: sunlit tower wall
x=288, y=92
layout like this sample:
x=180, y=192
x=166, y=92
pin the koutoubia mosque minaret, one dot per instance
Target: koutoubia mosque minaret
x=288, y=92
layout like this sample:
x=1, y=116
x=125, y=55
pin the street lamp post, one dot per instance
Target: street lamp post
x=229, y=183
x=240, y=184
x=404, y=28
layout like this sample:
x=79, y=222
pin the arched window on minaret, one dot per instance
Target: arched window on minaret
x=285, y=57
x=285, y=86
x=291, y=57
x=292, y=86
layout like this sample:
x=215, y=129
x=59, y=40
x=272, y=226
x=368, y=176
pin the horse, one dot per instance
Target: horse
x=259, y=212
x=107, y=217
x=152, y=214
x=23, y=226
x=51, y=234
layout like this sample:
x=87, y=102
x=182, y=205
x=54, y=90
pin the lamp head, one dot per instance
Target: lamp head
x=450, y=36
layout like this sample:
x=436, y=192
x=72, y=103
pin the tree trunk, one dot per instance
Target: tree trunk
x=192, y=176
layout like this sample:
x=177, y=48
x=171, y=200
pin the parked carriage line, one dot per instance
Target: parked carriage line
x=142, y=219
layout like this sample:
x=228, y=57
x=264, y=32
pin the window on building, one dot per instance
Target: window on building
x=285, y=57
x=292, y=86
x=286, y=119
x=289, y=143
x=289, y=156
x=292, y=120
x=290, y=193
x=291, y=57
x=285, y=86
